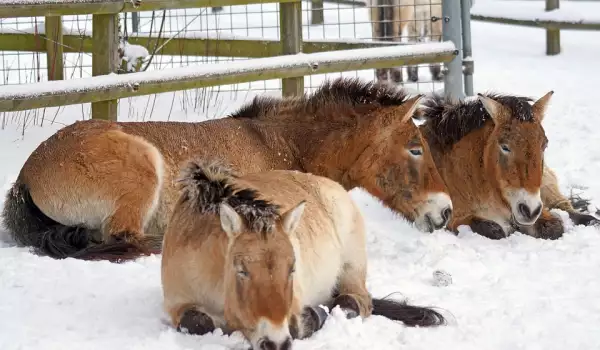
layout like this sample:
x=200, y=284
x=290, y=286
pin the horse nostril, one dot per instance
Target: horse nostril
x=537, y=211
x=524, y=210
x=287, y=344
x=267, y=345
x=446, y=214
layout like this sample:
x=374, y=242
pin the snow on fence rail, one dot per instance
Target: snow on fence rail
x=573, y=15
x=185, y=44
x=113, y=86
x=32, y=8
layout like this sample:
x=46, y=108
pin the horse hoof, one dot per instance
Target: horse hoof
x=316, y=317
x=123, y=237
x=489, y=229
x=550, y=229
x=584, y=219
x=348, y=304
x=195, y=322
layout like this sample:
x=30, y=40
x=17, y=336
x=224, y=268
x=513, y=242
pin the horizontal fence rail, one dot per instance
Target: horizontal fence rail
x=551, y=17
x=184, y=45
x=111, y=87
x=540, y=19
x=32, y=8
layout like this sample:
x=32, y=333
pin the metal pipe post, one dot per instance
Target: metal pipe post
x=135, y=22
x=453, y=82
x=468, y=63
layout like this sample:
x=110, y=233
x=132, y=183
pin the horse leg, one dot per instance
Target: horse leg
x=397, y=30
x=413, y=71
x=189, y=319
x=547, y=226
x=381, y=74
x=483, y=227
x=132, y=211
x=552, y=198
x=436, y=35
x=352, y=294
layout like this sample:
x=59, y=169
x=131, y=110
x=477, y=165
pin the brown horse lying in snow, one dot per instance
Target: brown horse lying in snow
x=490, y=152
x=260, y=252
x=113, y=182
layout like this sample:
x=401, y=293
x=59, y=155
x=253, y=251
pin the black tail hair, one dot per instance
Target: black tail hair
x=30, y=227
x=410, y=315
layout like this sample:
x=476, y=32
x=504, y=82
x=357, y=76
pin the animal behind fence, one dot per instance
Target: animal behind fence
x=415, y=20
x=260, y=252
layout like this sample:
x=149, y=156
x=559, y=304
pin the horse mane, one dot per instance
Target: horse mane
x=206, y=183
x=339, y=95
x=447, y=120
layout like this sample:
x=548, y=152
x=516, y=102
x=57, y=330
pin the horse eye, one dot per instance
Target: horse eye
x=416, y=151
x=292, y=269
x=505, y=148
x=242, y=273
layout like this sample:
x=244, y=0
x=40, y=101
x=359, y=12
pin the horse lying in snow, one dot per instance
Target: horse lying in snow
x=95, y=188
x=260, y=252
x=490, y=153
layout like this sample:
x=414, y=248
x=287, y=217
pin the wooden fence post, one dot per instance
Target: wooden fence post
x=290, y=23
x=105, y=43
x=54, y=48
x=552, y=34
x=316, y=12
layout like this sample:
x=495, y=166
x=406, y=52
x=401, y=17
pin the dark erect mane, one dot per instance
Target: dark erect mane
x=205, y=184
x=342, y=93
x=448, y=121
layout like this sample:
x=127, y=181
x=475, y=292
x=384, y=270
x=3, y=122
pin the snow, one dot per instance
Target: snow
x=204, y=71
x=570, y=12
x=222, y=35
x=517, y=293
x=133, y=54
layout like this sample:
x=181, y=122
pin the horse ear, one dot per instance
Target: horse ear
x=539, y=106
x=492, y=107
x=231, y=222
x=411, y=105
x=291, y=218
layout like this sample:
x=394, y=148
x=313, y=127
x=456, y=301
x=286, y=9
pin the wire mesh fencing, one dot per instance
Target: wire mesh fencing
x=395, y=21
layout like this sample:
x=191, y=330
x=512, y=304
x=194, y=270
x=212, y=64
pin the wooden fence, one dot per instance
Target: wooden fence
x=104, y=91
x=552, y=21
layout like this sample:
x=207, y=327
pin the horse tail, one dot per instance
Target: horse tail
x=410, y=315
x=29, y=226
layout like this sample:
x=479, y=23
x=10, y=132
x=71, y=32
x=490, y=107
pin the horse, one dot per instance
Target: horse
x=259, y=253
x=104, y=190
x=490, y=153
x=414, y=19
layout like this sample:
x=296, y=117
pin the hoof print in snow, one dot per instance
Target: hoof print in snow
x=441, y=278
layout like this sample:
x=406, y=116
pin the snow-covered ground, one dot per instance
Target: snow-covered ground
x=517, y=293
